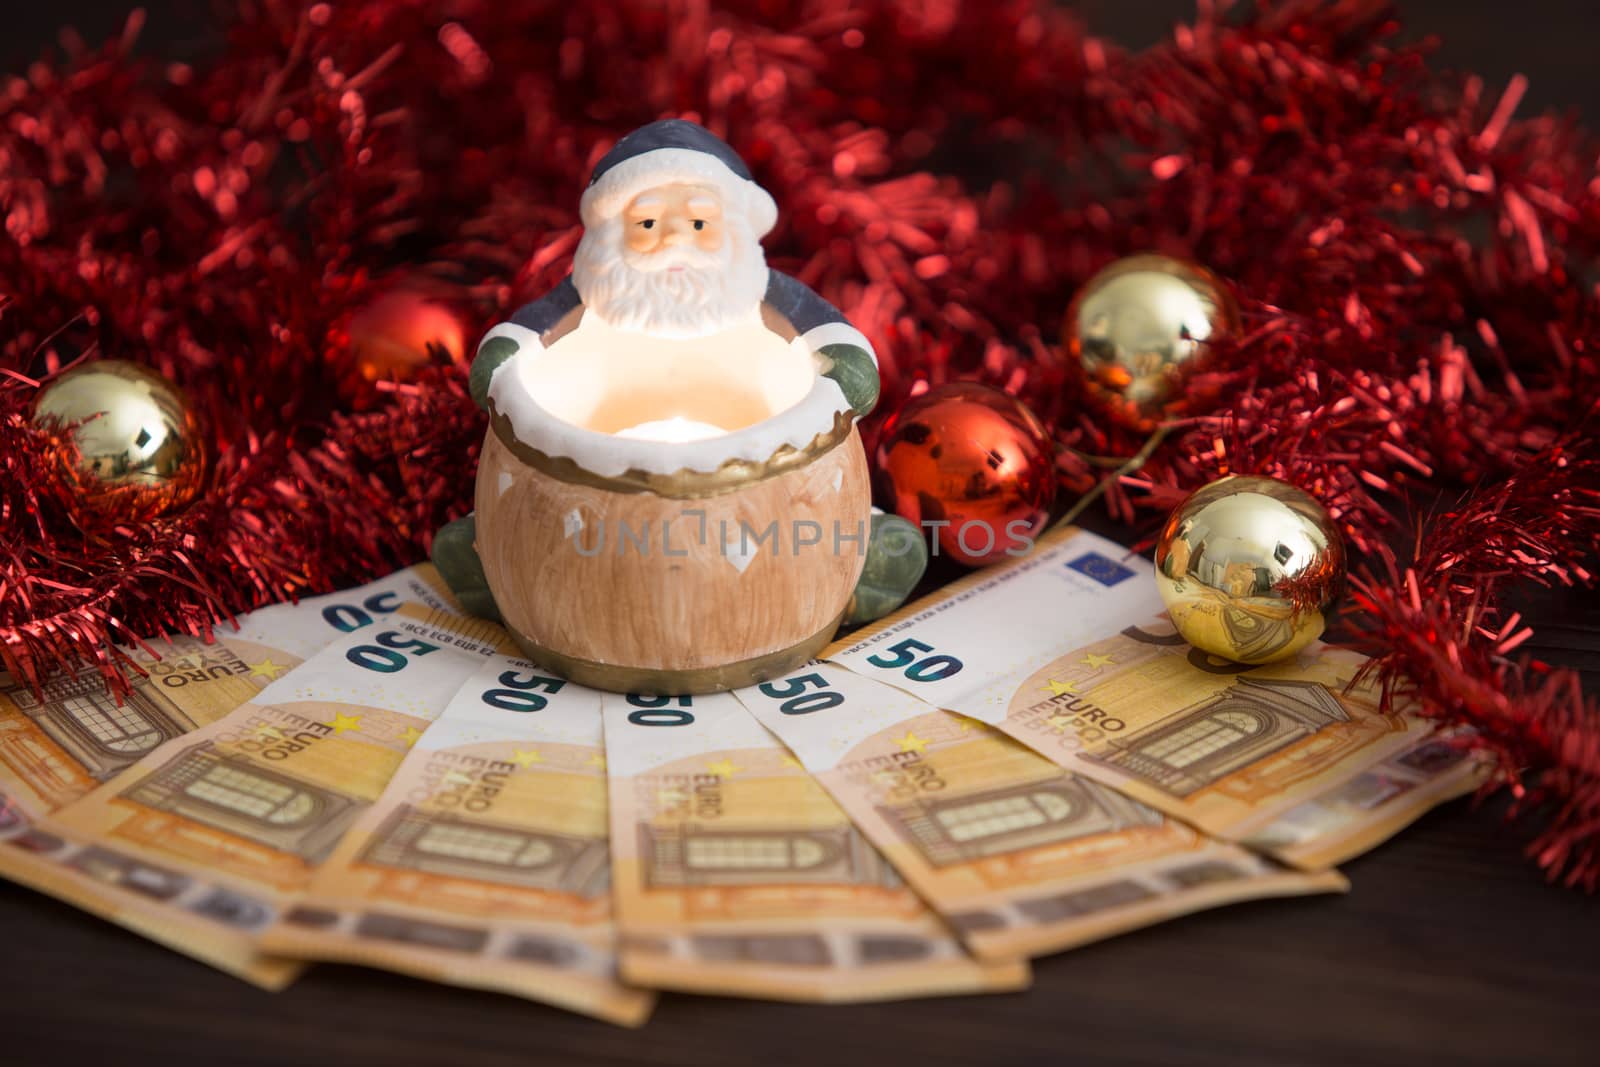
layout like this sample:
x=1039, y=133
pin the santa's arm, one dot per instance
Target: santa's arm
x=846, y=354
x=523, y=332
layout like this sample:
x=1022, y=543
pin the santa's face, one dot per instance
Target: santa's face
x=672, y=217
x=674, y=262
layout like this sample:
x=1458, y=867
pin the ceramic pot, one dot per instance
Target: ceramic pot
x=631, y=563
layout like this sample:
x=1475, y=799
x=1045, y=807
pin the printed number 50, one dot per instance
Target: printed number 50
x=658, y=711
x=904, y=654
x=516, y=698
x=391, y=657
x=802, y=705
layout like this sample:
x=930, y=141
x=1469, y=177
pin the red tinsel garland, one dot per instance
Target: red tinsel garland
x=1404, y=250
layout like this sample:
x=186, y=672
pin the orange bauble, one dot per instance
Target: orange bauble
x=972, y=457
x=392, y=335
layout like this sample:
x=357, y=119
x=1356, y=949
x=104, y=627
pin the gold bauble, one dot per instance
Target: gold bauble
x=139, y=449
x=1248, y=568
x=1134, y=327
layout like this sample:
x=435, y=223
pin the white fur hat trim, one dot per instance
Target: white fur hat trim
x=666, y=166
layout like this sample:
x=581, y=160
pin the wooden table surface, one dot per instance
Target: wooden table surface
x=1449, y=948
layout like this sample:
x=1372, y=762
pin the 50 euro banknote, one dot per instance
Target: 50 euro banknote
x=484, y=862
x=278, y=637
x=736, y=874
x=202, y=841
x=1018, y=855
x=1064, y=651
x=72, y=735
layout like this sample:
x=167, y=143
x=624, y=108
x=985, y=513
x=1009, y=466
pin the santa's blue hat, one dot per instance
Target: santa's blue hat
x=674, y=150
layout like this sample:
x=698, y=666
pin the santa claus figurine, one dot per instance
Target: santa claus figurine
x=671, y=254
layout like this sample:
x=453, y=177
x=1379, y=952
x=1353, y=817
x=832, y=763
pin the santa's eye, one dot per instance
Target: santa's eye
x=699, y=224
x=648, y=223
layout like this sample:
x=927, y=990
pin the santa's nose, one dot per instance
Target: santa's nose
x=678, y=231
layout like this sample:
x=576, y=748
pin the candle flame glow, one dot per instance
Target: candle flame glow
x=674, y=429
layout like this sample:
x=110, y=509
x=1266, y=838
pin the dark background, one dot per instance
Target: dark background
x=1550, y=41
x=1449, y=949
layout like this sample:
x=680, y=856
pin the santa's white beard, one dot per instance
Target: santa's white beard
x=630, y=291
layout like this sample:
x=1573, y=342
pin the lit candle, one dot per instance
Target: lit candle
x=676, y=428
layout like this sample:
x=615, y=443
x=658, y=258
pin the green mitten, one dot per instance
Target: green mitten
x=493, y=352
x=896, y=557
x=852, y=368
x=456, y=555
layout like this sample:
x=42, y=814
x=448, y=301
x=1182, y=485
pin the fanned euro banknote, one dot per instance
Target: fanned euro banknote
x=737, y=874
x=278, y=637
x=202, y=841
x=484, y=862
x=1025, y=761
x=1064, y=651
x=59, y=744
x=1019, y=856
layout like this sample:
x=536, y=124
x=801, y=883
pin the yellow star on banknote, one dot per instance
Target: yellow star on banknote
x=790, y=761
x=723, y=768
x=410, y=735
x=526, y=757
x=1095, y=660
x=912, y=743
x=269, y=732
x=597, y=760
x=266, y=669
x=1060, y=688
x=1059, y=723
x=343, y=722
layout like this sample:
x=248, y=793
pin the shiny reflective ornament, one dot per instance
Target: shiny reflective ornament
x=140, y=451
x=1249, y=567
x=976, y=458
x=1135, y=327
x=392, y=337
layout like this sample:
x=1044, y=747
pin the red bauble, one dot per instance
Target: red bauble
x=395, y=334
x=974, y=457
